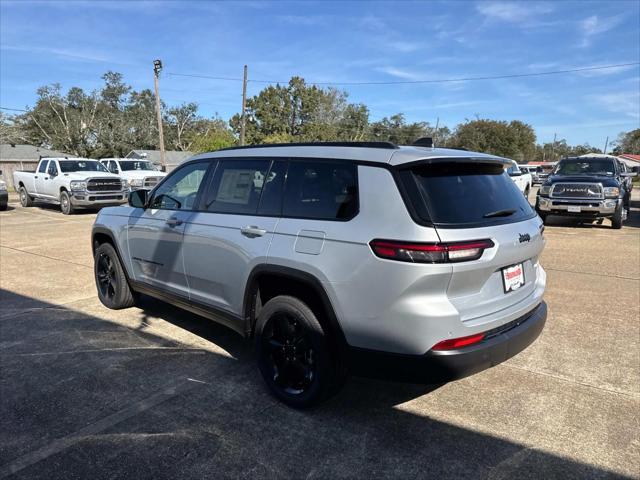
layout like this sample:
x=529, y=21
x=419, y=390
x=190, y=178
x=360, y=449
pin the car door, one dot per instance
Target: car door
x=50, y=187
x=41, y=177
x=155, y=233
x=232, y=232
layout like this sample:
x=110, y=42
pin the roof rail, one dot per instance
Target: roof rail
x=385, y=145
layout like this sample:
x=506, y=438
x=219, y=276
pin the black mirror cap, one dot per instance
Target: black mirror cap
x=138, y=198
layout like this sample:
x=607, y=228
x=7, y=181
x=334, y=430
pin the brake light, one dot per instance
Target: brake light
x=455, y=343
x=430, y=252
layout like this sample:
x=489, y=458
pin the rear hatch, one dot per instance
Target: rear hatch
x=474, y=199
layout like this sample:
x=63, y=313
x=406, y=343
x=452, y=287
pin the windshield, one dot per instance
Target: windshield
x=585, y=167
x=465, y=194
x=68, y=166
x=128, y=165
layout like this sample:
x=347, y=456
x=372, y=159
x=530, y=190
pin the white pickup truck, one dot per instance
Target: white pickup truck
x=137, y=173
x=72, y=183
x=521, y=178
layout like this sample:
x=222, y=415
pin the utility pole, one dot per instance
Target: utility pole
x=435, y=132
x=606, y=144
x=243, y=118
x=553, y=147
x=157, y=68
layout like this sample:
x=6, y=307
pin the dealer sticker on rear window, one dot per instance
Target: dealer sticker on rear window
x=513, y=277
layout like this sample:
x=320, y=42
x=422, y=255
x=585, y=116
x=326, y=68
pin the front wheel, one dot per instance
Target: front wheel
x=65, y=203
x=293, y=353
x=25, y=198
x=616, y=220
x=111, y=281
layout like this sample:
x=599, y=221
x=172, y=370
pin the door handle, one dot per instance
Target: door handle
x=35, y=176
x=252, y=231
x=173, y=222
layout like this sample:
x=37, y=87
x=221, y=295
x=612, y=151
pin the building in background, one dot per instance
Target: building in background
x=22, y=157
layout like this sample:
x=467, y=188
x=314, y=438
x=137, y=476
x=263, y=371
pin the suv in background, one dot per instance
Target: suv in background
x=587, y=187
x=137, y=173
x=412, y=263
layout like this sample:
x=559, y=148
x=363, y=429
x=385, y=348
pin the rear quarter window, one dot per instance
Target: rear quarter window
x=461, y=194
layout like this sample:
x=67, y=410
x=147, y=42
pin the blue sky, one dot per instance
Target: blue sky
x=75, y=42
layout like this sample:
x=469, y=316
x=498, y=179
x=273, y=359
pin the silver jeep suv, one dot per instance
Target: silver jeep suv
x=411, y=263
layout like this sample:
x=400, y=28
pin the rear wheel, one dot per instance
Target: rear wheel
x=293, y=353
x=65, y=203
x=113, y=288
x=25, y=198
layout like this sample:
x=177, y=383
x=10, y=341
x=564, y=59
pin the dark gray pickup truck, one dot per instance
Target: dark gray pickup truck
x=586, y=187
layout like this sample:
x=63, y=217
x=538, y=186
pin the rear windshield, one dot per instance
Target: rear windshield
x=465, y=195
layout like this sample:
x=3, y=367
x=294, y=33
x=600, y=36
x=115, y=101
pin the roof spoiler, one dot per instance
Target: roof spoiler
x=424, y=142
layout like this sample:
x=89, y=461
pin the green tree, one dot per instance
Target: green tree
x=512, y=140
x=628, y=142
x=216, y=135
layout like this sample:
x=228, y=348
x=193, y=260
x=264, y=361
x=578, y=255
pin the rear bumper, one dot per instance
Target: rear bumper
x=444, y=366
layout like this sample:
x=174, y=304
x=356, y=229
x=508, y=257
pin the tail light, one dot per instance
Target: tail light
x=430, y=252
x=455, y=343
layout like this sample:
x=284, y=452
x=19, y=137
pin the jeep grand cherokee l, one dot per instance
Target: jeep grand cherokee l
x=416, y=263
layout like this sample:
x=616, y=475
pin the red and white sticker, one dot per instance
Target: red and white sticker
x=513, y=277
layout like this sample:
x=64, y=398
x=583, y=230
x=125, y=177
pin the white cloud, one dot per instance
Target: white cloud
x=399, y=73
x=595, y=25
x=626, y=103
x=513, y=12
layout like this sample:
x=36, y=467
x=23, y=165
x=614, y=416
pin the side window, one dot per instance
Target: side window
x=323, y=190
x=271, y=200
x=43, y=166
x=237, y=185
x=179, y=190
x=53, y=169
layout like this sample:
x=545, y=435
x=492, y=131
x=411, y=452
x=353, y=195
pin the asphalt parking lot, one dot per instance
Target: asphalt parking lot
x=156, y=392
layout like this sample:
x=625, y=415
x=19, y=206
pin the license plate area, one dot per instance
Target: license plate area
x=574, y=209
x=513, y=277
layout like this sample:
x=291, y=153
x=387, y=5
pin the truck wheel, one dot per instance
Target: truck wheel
x=65, y=203
x=25, y=198
x=616, y=220
x=293, y=353
x=113, y=288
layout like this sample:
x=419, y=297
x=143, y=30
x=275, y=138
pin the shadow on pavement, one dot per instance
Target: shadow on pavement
x=84, y=397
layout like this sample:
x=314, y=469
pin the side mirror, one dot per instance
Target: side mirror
x=138, y=198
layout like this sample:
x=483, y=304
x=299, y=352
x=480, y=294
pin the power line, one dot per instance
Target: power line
x=13, y=109
x=405, y=82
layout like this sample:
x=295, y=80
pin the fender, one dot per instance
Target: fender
x=300, y=276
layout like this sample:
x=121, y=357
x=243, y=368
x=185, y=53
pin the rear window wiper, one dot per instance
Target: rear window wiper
x=500, y=213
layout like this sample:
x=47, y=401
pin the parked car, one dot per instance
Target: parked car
x=72, y=183
x=534, y=171
x=588, y=188
x=4, y=195
x=137, y=173
x=418, y=264
x=522, y=179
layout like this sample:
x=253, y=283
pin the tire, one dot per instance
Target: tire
x=3, y=206
x=616, y=220
x=25, y=199
x=526, y=192
x=113, y=289
x=65, y=203
x=293, y=353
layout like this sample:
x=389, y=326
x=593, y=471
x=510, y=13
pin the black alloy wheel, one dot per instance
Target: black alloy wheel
x=291, y=357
